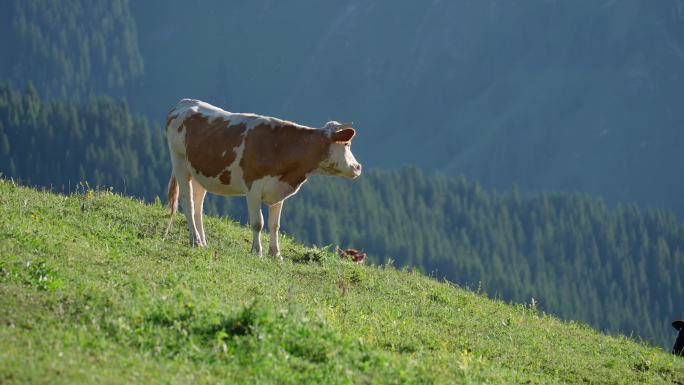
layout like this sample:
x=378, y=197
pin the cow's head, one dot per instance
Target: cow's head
x=340, y=160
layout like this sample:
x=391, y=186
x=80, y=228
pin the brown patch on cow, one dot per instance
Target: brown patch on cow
x=225, y=177
x=289, y=152
x=209, y=144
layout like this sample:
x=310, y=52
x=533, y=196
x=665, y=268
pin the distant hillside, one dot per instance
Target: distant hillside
x=91, y=294
x=59, y=144
x=550, y=95
x=70, y=49
x=574, y=96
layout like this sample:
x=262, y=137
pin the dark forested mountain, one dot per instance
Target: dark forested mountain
x=565, y=95
x=581, y=96
x=60, y=144
x=70, y=49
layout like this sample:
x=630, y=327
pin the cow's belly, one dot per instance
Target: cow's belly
x=272, y=189
x=215, y=186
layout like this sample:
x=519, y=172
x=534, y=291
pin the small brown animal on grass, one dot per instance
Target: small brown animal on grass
x=352, y=254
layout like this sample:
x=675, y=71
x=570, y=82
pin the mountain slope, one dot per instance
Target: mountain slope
x=91, y=294
x=69, y=49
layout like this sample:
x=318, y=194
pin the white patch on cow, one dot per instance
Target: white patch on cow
x=176, y=137
x=214, y=184
x=206, y=109
x=340, y=161
x=253, y=120
x=174, y=123
x=248, y=120
x=332, y=126
x=272, y=189
x=237, y=175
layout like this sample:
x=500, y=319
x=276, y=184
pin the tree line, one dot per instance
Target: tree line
x=59, y=144
x=69, y=49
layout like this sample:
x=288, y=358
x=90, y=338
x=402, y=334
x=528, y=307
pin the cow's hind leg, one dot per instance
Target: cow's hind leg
x=274, y=211
x=188, y=207
x=198, y=194
x=256, y=219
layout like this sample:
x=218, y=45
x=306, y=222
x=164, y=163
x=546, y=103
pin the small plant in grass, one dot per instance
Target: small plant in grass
x=313, y=254
x=34, y=273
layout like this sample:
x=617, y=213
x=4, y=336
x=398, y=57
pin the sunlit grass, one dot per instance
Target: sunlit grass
x=90, y=293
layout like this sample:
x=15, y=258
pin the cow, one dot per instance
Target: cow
x=263, y=158
x=678, y=347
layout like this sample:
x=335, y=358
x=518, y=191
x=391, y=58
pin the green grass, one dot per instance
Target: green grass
x=90, y=293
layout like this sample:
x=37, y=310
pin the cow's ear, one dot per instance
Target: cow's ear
x=343, y=136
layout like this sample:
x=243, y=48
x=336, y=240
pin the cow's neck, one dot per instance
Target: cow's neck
x=312, y=149
x=289, y=153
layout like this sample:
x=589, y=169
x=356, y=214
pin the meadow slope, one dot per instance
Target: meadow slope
x=90, y=293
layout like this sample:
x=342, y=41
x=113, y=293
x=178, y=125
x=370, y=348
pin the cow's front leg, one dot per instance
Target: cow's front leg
x=256, y=220
x=273, y=227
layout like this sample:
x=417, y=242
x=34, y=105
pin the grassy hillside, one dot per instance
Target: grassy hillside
x=89, y=293
x=580, y=258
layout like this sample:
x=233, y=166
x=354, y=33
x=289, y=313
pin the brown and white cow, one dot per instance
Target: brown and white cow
x=264, y=158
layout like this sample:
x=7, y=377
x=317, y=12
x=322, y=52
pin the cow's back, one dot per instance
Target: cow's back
x=178, y=117
x=228, y=152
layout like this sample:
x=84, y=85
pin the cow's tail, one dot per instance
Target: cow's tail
x=173, y=201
